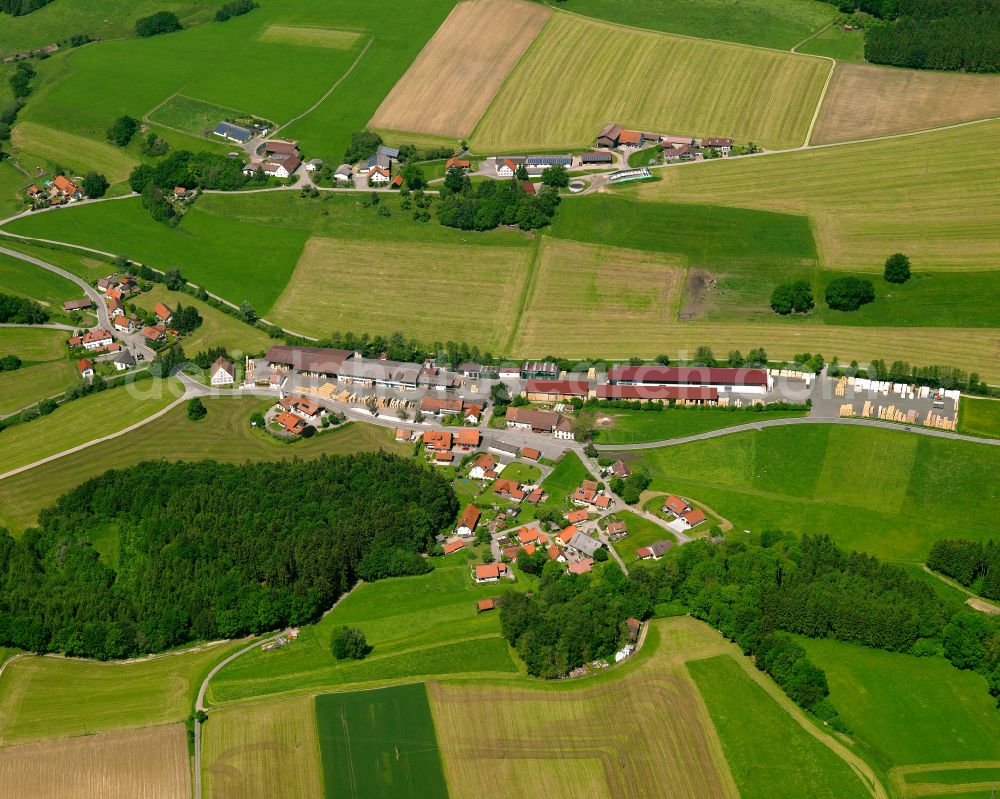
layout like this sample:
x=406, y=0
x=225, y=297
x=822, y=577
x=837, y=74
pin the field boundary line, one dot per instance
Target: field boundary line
x=810, y=38
x=820, y=101
x=328, y=92
x=864, y=772
x=526, y=290
x=974, y=601
x=685, y=35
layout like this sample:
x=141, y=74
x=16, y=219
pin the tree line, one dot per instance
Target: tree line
x=18, y=8
x=755, y=591
x=973, y=564
x=21, y=311
x=493, y=203
x=207, y=550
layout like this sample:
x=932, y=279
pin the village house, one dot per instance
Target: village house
x=577, y=516
x=722, y=145
x=437, y=441
x=291, y=423
x=444, y=458
x=473, y=413
x=402, y=434
x=540, y=422
x=78, y=305
x=530, y=535
x=485, y=468
x=64, y=187
x=453, y=546
x=536, y=496
x=583, y=544
x=694, y=517
x=85, y=367
x=467, y=438
x=123, y=324
x=457, y=163
x=96, y=339
x=582, y=566
x=163, y=313
x=378, y=174
x=631, y=138
x=506, y=165
x=509, y=489
x=617, y=530
x=440, y=407
x=115, y=306
x=564, y=536
x=281, y=169
x=675, y=505
x=126, y=360
x=620, y=469
x=344, y=173
x=153, y=334
x=467, y=523
x=222, y=373
x=654, y=551
x=555, y=553
x=490, y=572
x=305, y=408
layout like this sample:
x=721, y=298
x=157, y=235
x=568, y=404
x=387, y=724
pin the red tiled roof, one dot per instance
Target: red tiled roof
x=83, y=364
x=486, y=604
x=582, y=566
x=453, y=546
x=630, y=137
x=575, y=516
x=662, y=393
x=695, y=375
x=467, y=437
x=162, y=311
x=437, y=440
x=530, y=454
x=291, y=422
x=675, y=504
x=695, y=516
x=573, y=388
x=470, y=517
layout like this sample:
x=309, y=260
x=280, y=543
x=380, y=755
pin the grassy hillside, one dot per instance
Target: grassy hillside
x=84, y=420
x=630, y=427
x=766, y=23
x=866, y=201
x=581, y=74
x=47, y=697
x=871, y=490
x=45, y=370
x=27, y=280
x=224, y=435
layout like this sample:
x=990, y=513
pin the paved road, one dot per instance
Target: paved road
x=725, y=431
x=49, y=326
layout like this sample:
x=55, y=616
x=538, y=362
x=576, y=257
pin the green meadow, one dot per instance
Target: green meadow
x=380, y=744
x=224, y=435
x=768, y=753
x=566, y=477
x=631, y=427
x=767, y=23
x=910, y=710
x=192, y=116
x=45, y=370
x=641, y=533
x=12, y=182
x=872, y=490
x=979, y=417
x=834, y=42
x=83, y=420
x=22, y=279
x=76, y=262
x=46, y=697
x=417, y=626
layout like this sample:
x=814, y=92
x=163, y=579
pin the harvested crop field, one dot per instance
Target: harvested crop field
x=268, y=749
x=585, y=293
x=309, y=37
x=865, y=101
x=869, y=200
x=581, y=74
x=148, y=763
x=379, y=745
x=646, y=733
x=451, y=83
x=447, y=291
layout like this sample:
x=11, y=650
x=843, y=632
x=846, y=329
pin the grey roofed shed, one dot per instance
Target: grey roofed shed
x=582, y=542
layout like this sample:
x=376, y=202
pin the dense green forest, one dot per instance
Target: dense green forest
x=971, y=563
x=959, y=35
x=17, y=8
x=207, y=550
x=753, y=591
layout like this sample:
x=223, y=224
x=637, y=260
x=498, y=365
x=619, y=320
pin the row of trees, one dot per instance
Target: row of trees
x=843, y=294
x=493, y=203
x=969, y=562
x=160, y=22
x=208, y=550
x=236, y=8
x=21, y=311
x=17, y=8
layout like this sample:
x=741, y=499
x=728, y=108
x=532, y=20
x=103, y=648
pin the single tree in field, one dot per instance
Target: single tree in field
x=248, y=313
x=556, y=175
x=349, y=642
x=897, y=268
x=196, y=409
x=849, y=293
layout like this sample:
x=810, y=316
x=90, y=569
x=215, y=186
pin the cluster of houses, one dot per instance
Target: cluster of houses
x=293, y=413
x=442, y=445
x=378, y=168
x=683, y=148
x=58, y=191
x=280, y=159
x=590, y=494
x=100, y=342
x=683, y=511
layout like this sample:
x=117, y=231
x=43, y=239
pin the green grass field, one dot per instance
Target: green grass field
x=380, y=744
x=191, y=115
x=768, y=753
x=47, y=697
x=566, y=477
x=979, y=417
x=909, y=710
x=630, y=427
x=417, y=626
x=224, y=435
x=42, y=146
x=75, y=262
x=866, y=201
x=641, y=533
x=83, y=420
x=834, y=42
x=766, y=23
x=12, y=182
x=217, y=329
x=46, y=371
x=27, y=280
x=239, y=262
x=870, y=490
x=559, y=94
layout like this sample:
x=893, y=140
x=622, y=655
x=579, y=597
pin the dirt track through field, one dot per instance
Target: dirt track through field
x=450, y=84
x=865, y=100
x=147, y=763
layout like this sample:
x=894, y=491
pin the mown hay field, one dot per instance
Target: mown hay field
x=41, y=146
x=149, y=763
x=46, y=371
x=581, y=74
x=224, y=435
x=871, y=490
x=430, y=291
x=191, y=115
x=310, y=36
x=52, y=697
x=450, y=84
x=22, y=279
x=85, y=419
x=864, y=101
x=380, y=744
x=265, y=749
x=608, y=293
x=869, y=200
x=979, y=417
